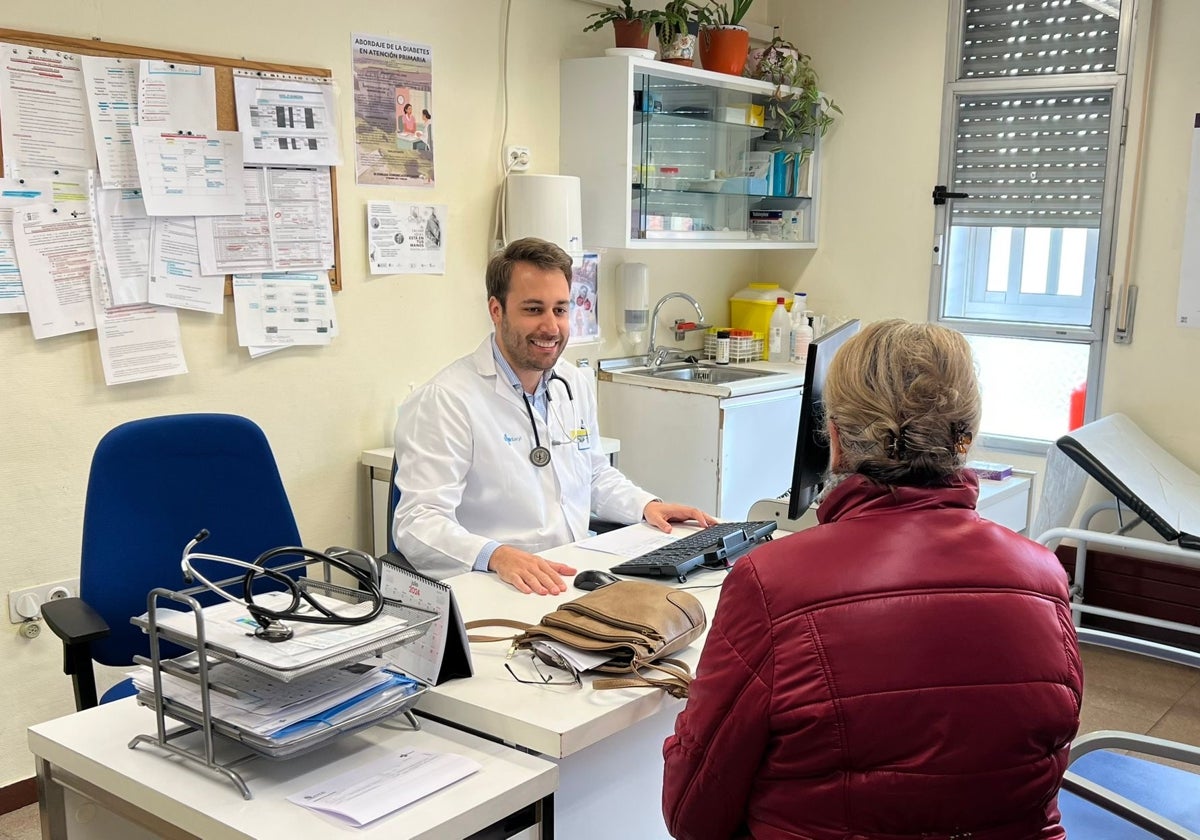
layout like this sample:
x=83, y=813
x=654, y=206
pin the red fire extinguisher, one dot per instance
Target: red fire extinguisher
x=1078, y=402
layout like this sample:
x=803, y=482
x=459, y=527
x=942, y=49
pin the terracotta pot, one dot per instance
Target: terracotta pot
x=631, y=33
x=723, y=49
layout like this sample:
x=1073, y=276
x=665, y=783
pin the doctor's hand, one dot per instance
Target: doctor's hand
x=528, y=572
x=662, y=514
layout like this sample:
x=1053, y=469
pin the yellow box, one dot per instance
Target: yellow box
x=752, y=307
x=742, y=113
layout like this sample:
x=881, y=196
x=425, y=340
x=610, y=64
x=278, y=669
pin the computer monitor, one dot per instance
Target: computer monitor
x=812, y=441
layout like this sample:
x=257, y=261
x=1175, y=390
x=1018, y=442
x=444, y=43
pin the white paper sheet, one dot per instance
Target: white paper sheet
x=72, y=186
x=175, y=275
x=111, y=85
x=274, y=310
x=628, y=543
x=286, y=120
x=124, y=231
x=406, y=238
x=176, y=97
x=139, y=343
x=287, y=225
x=56, y=252
x=45, y=126
x=14, y=194
x=374, y=790
x=193, y=174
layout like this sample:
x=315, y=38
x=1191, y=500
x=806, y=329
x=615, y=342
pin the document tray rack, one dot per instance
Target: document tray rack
x=402, y=624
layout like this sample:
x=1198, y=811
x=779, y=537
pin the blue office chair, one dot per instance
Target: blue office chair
x=154, y=484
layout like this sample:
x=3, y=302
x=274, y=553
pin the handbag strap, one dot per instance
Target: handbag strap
x=676, y=684
x=494, y=622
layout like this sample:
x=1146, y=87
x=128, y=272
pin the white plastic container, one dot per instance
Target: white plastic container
x=802, y=336
x=779, y=334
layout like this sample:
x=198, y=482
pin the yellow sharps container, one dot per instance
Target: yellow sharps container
x=750, y=308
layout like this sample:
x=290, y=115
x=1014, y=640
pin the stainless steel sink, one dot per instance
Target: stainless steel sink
x=710, y=374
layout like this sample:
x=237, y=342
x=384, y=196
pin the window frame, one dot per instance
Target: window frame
x=953, y=89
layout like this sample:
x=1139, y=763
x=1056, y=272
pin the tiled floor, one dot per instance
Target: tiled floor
x=1122, y=691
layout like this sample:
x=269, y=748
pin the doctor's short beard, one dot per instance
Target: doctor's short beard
x=517, y=351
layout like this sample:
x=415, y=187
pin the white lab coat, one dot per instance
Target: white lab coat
x=462, y=465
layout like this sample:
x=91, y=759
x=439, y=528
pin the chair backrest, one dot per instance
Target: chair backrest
x=154, y=484
x=393, y=500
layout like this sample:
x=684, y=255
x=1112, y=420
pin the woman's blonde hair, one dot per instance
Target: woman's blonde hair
x=904, y=399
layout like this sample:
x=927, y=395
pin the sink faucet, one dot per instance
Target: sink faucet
x=655, y=356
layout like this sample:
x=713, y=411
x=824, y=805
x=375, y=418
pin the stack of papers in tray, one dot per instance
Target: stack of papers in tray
x=229, y=632
x=281, y=712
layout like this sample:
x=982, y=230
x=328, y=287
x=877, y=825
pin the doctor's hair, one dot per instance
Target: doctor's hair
x=904, y=399
x=538, y=252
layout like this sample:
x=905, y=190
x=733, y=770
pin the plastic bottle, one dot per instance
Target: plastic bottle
x=779, y=334
x=799, y=303
x=722, y=347
x=802, y=336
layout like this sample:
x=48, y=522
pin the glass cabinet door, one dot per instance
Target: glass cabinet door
x=704, y=169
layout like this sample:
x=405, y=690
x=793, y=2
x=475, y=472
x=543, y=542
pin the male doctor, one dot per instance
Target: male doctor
x=497, y=456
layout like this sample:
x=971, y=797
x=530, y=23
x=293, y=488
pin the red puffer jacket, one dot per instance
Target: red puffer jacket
x=904, y=670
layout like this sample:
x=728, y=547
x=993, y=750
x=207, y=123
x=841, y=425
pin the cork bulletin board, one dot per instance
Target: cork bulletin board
x=224, y=68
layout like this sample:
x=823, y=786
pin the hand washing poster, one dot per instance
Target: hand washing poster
x=393, y=112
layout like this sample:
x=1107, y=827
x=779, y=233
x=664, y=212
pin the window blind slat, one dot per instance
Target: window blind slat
x=1031, y=158
x=1043, y=37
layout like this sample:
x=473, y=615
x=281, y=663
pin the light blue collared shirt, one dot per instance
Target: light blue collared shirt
x=540, y=404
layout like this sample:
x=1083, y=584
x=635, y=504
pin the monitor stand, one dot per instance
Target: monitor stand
x=777, y=510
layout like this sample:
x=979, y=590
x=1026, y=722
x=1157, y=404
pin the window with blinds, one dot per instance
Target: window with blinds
x=1032, y=145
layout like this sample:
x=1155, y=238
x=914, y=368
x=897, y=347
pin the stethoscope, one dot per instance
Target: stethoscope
x=270, y=623
x=540, y=455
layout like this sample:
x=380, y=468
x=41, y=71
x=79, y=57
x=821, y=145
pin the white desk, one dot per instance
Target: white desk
x=379, y=469
x=91, y=785
x=608, y=744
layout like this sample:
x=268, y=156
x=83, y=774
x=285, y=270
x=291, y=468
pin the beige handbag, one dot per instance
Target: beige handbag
x=638, y=623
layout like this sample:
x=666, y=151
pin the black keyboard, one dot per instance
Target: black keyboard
x=716, y=547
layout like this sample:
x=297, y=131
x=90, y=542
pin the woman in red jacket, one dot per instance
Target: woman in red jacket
x=903, y=670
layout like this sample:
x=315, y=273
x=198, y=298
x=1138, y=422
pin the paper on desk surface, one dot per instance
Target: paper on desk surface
x=374, y=790
x=628, y=543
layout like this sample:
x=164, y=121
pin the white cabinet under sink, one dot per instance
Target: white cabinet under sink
x=720, y=454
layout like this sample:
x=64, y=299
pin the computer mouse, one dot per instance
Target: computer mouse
x=590, y=579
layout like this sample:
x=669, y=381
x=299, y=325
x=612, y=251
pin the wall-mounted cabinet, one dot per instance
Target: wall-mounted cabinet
x=677, y=157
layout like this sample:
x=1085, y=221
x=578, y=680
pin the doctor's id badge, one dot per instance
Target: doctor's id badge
x=581, y=438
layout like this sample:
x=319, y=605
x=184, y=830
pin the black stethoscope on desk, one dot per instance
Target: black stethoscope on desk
x=540, y=455
x=270, y=621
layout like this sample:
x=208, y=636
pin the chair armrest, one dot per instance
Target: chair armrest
x=74, y=621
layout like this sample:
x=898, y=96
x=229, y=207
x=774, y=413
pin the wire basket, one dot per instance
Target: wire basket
x=741, y=348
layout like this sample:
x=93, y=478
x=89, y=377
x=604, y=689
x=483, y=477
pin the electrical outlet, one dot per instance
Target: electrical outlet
x=517, y=158
x=19, y=605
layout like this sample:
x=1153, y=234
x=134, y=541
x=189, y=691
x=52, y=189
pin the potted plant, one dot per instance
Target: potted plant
x=677, y=45
x=797, y=112
x=631, y=27
x=724, y=42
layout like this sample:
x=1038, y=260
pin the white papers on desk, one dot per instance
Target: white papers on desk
x=287, y=225
x=56, y=252
x=364, y=794
x=628, y=543
x=281, y=310
x=229, y=629
x=195, y=173
x=405, y=238
x=176, y=278
x=111, y=85
x=176, y=97
x=286, y=120
x=15, y=193
x=45, y=124
x=124, y=232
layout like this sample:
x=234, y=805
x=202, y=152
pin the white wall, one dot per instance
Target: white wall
x=319, y=407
